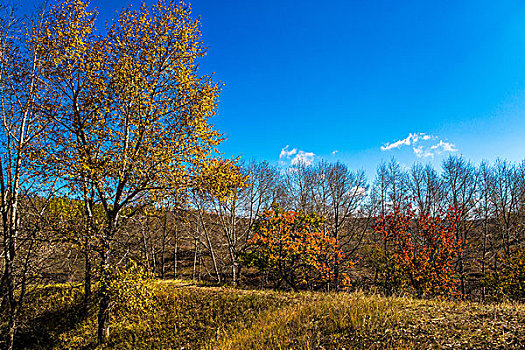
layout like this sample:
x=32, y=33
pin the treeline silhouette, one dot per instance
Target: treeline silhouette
x=201, y=237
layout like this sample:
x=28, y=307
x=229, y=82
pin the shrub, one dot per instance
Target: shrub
x=509, y=278
x=418, y=254
x=289, y=247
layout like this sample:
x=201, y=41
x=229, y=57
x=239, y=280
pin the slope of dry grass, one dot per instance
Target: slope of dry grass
x=180, y=315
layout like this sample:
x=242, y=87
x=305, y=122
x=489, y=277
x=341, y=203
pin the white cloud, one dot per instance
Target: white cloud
x=289, y=158
x=334, y=152
x=305, y=158
x=397, y=144
x=286, y=154
x=420, y=143
x=444, y=147
x=411, y=139
x=420, y=152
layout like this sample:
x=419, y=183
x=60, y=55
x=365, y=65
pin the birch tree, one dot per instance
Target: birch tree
x=130, y=110
x=22, y=133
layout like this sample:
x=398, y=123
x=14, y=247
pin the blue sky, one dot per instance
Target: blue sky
x=356, y=77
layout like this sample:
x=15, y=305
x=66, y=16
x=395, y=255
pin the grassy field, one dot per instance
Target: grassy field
x=179, y=315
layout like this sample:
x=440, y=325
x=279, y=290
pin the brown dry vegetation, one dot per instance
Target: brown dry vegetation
x=181, y=315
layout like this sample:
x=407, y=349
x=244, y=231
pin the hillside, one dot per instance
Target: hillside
x=181, y=315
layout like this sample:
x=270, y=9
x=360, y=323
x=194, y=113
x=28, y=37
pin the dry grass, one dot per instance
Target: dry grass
x=180, y=315
x=356, y=321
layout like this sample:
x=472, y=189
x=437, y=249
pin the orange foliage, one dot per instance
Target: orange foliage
x=422, y=249
x=291, y=248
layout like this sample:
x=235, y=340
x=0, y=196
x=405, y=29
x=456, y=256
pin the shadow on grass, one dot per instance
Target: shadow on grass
x=42, y=332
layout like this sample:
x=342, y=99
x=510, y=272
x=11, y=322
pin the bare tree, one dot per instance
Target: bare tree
x=390, y=187
x=340, y=194
x=379, y=192
x=459, y=184
x=426, y=189
x=484, y=212
x=298, y=182
x=505, y=199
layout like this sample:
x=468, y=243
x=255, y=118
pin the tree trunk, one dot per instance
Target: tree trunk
x=105, y=291
x=163, y=246
x=195, y=260
x=200, y=263
x=212, y=253
x=175, y=255
x=11, y=333
x=484, y=257
x=104, y=299
x=87, y=281
x=11, y=304
x=10, y=289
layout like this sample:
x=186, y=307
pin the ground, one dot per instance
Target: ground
x=182, y=315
